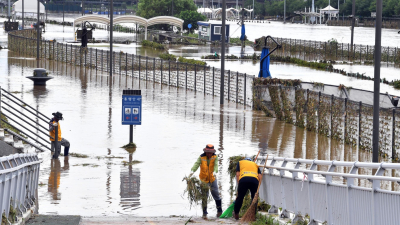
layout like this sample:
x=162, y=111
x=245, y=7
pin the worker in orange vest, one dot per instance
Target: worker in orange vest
x=208, y=163
x=60, y=141
x=248, y=176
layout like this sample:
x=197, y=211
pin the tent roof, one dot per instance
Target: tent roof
x=328, y=8
x=29, y=7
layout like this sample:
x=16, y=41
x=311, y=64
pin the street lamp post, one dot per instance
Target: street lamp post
x=221, y=91
x=353, y=21
x=23, y=12
x=377, y=78
x=83, y=12
x=111, y=38
x=37, y=33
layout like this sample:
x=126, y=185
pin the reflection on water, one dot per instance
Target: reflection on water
x=55, y=177
x=130, y=186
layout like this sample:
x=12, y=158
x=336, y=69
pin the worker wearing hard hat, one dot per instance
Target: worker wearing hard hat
x=208, y=163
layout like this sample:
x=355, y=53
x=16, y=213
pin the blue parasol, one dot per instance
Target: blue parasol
x=264, y=63
x=243, y=36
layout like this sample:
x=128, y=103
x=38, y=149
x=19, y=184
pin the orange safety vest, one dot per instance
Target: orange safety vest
x=207, y=171
x=53, y=132
x=248, y=169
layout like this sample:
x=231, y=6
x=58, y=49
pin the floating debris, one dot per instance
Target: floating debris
x=196, y=190
x=125, y=163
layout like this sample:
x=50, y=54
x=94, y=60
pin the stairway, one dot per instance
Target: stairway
x=16, y=143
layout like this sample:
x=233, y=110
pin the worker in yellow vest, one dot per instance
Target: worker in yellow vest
x=208, y=163
x=60, y=141
x=248, y=176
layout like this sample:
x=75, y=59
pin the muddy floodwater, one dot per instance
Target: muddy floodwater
x=176, y=126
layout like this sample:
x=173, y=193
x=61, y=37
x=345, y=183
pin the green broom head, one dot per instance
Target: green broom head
x=228, y=212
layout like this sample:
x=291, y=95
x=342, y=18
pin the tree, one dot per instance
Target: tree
x=258, y=7
x=191, y=17
x=153, y=8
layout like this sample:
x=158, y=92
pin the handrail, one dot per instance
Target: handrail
x=24, y=115
x=46, y=121
x=24, y=139
x=24, y=121
x=25, y=104
x=27, y=129
x=28, y=135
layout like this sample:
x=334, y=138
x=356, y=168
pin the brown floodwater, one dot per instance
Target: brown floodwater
x=177, y=124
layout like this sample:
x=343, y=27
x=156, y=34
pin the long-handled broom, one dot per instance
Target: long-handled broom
x=229, y=211
x=250, y=215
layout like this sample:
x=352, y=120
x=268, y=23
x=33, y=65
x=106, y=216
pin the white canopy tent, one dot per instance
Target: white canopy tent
x=30, y=9
x=330, y=11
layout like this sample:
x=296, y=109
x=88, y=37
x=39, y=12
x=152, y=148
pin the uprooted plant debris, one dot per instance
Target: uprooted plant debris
x=196, y=190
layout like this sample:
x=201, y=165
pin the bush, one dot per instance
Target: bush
x=192, y=61
x=167, y=56
x=153, y=45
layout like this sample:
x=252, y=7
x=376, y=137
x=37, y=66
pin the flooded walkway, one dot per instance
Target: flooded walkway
x=176, y=126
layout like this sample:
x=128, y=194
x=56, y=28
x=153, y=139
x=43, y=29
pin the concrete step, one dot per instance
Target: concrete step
x=18, y=144
x=1, y=134
x=28, y=148
x=9, y=139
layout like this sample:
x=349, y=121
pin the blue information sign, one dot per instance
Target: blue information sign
x=131, y=110
x=189, y=25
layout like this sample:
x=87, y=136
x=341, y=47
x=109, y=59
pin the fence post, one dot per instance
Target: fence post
x=154, y=70
x=161, y=71
x=393, y=133
x=169, y=72
x=348, y=51
x=96, y=59
x=133, y=65
x=107, y=62
x=307, y=100
x=213, y=81
x=126, y=64
x=204, y=82
x=367, y=53
x=237, y=86
x=345, y=117
x=195, y=77
x=102, y=68
x=186, y=77
x=147, y=59
x=139, y=66
x=244, y=94
x=229, y=84
x=319, y=102
x=360, y=52
x=177, y=74
x=359, y=123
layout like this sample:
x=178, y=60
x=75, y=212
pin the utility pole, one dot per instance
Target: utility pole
x=83, y=12
x=38, y=34
x=377, y=79
x=284, y=11
x=353, y=21
x=221, y=93
x=23, y=12
x=111, y=39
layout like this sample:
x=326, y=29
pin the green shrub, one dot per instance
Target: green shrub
x=167, y=56
x=191, y=61
x=152, y=44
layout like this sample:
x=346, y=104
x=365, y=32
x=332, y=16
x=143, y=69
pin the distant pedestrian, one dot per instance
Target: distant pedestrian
x=208, y=163
x=247, y=175
x=60, y=141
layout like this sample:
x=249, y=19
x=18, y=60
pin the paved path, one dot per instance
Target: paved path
x=52, y=220
x=125, y=220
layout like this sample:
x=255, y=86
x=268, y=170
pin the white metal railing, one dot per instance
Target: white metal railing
x=314, y=193
x=19, y=175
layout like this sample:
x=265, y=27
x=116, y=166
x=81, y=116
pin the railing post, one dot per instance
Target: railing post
x=349, y=184
x=133, y=65
x=126, y=64
x=345, y=117
x=284, y=212
x=393, y=133
x=311, y=192
x=229, y=84
x=186, y=76
x=195, y=77
x=213, y=80
x=161, y=63
x=154, y=70
x=96, y=59
x=139, y=66
x=204, y=82
x=244, y=93
x=169, y=72
x=319, y=103
x=359, y=123
x=237, y=86
x=177, y=74
x=147, y=59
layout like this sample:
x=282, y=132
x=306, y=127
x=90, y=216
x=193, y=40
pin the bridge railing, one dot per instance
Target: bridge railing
x=324, y=192
x=19, y=177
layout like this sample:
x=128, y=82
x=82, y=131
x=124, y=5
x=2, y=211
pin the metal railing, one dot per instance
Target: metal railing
x=194, y=77
x=23, y=118
x=302, y=187
x=19, y=177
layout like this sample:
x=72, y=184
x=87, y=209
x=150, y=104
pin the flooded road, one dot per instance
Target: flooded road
x=176, y=126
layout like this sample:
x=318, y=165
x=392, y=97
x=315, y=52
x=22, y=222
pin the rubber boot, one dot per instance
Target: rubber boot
x=205, y=212
x=219, y=208
x=66, y=150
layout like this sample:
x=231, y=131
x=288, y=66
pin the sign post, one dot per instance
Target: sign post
x=131, y=110
x=189, y=26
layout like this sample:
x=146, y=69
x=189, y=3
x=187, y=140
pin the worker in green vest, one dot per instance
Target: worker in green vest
x=248, y=176
x=208, y=163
